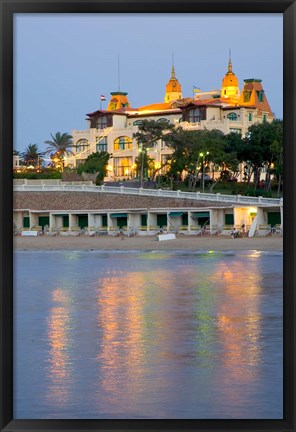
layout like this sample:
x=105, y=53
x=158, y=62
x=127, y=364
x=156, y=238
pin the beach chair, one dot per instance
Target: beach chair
x=101, y=230
x=37, y=228
x=89, y=230
x=195, y=230
x=63, y=231
x=114, y=230
x=75, y=230
x=183, y=229
x=263, y=230
x=211, y=230
x=132, y=232
x=142, y=230
x=153, y=229
x=226, y=230
x=54, y=231
x=277, y=229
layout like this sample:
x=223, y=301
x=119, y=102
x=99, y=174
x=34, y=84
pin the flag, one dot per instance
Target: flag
x=196, y=89
x=103, y=97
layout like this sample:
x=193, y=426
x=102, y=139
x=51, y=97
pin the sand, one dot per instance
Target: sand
x=84, y=242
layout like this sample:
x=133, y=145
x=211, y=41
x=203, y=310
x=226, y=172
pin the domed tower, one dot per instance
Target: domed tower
x=230, y=88
x=173, y=89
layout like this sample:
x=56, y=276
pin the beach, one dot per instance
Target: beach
x=84, y=242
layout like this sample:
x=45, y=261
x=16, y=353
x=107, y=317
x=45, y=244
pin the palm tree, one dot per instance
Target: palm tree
x=32, y=155
x=59, y=147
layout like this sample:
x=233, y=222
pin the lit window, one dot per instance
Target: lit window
x=123, y=143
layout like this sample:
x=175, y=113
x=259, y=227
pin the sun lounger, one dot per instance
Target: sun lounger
x=153, y=229
x=277, y=229
x=195, y=230
x=102, y=230
x=183, y=229
x=226, y=230
x=114, y=230
x=263, y=230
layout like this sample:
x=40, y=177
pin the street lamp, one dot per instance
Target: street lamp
x=202, y=155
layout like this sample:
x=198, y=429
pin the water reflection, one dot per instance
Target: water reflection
x=59, y=340
x=238, y=331
x=166, y=337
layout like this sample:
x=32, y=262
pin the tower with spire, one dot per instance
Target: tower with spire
x=230, y=87
x=173, y=89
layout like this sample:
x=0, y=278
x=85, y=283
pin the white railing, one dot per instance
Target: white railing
x=198, y=196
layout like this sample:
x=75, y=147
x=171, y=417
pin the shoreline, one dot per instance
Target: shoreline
x=104, y=243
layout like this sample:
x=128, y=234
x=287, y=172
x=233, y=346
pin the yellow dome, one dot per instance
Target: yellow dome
x=230, y=79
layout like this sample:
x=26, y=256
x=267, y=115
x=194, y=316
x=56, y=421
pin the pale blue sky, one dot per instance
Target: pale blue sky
x=64, y=62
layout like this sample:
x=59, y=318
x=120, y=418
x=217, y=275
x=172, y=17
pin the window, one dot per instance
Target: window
x=260, y=95
x=123, y=143
x=123, y=167
x=163, y=144
x=144, y=220
x=101, y=144
x=232, y=116
x=79, y=162
x=250, y=116
x=195, y=115
x=101, y=122
x=247, y=95
x=138, y=122
x=229, y=219
x=163, y=120
x=81, y=145
x=235, y=130
x=264, y=118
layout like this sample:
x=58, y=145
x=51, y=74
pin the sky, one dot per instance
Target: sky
x=64, y=62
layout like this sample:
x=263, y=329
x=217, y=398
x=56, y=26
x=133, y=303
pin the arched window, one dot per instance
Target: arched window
x=232, y=116
x=163, y=120
x=123, y=143
x=81, y=145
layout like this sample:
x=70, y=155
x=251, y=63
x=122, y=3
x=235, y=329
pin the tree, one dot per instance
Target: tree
x=95, y=163
x=276, y=149
x=59, y=147
x=193, y=152
x=149, y=132
x=263, y=148
x=233, y=147
x=32, y=156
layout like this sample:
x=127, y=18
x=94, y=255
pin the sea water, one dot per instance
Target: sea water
x=143, y=334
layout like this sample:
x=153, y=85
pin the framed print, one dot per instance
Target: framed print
x=147, y=225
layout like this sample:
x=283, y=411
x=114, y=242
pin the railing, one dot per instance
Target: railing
x=198, y=196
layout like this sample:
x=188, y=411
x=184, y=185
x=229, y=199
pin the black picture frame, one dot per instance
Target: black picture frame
x=7, y=9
